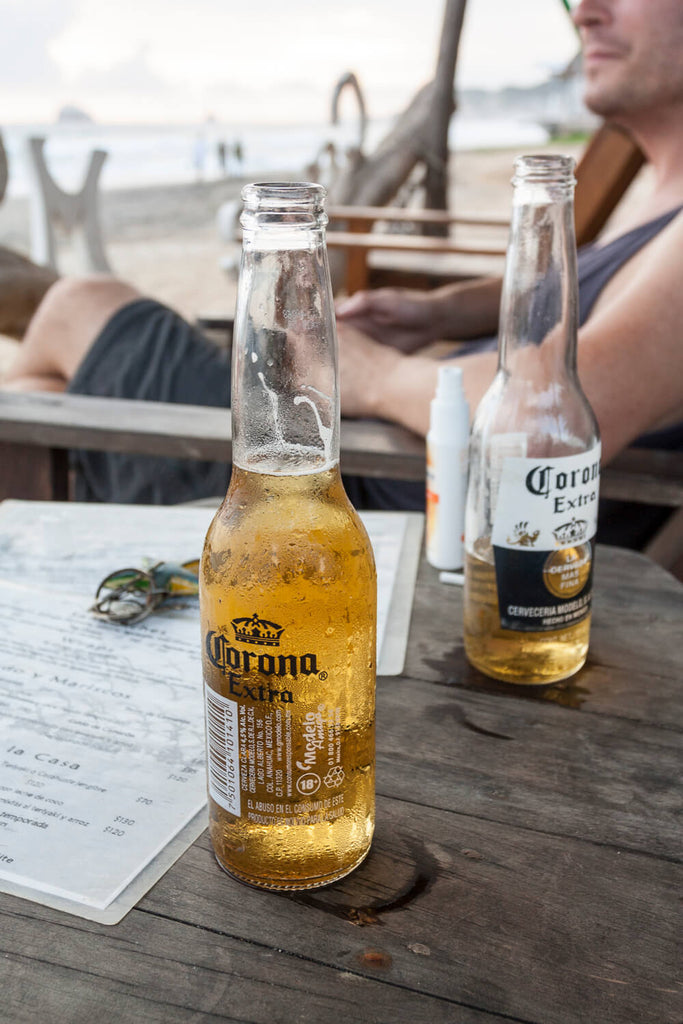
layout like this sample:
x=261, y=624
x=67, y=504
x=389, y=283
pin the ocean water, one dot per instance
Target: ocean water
x=161, y=154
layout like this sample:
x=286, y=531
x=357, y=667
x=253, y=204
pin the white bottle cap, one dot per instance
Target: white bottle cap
x=449, y=385
x=450, y=413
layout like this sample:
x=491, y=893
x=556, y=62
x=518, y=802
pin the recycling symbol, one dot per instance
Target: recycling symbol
x=334, y=777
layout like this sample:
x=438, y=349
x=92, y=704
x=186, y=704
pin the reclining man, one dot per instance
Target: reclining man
x=630, y=350
x=100, y=337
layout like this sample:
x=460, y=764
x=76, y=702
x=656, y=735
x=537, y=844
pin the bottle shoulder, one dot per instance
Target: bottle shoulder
x=290, y=524
x=555, y=419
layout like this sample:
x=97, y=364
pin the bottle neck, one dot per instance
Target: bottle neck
x=539, y=305
x=285, y=395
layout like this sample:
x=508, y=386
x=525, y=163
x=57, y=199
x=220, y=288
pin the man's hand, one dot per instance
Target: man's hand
x=402, y=318
x=364, y=366
x=378, y=382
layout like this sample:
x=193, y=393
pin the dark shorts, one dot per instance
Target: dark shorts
x=146, y=351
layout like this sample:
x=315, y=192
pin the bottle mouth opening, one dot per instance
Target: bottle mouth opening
x=544, y=169
x=284, y=196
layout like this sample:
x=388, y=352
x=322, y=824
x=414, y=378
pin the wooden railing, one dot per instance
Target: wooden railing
x=37, y=430
x=357, y=239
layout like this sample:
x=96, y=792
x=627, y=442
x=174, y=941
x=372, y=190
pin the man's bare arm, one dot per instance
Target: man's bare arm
x=379, y=382
x=631, y=349
x=630, y=360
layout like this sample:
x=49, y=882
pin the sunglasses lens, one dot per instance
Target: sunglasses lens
x=125, y=597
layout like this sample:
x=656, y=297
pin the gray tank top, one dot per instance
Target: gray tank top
x=597, y=264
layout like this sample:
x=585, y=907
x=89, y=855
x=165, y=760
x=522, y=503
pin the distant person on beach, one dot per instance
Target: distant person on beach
x=101, y=337
x=199, y=156
x=238, y=153
x=222, y=154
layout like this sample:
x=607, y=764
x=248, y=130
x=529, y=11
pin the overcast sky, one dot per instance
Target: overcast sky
x=263, y=61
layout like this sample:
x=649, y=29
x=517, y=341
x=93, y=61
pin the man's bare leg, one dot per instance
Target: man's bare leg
x=67, y=321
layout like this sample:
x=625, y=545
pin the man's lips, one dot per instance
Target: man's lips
x=590, y=55
x=601, y=51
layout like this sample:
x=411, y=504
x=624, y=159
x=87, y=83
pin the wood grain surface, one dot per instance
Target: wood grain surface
x=526, y=864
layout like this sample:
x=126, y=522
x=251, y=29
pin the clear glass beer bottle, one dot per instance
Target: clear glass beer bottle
x=531, y=512
x=287, y=581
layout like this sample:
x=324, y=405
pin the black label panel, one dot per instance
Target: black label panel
x=541, y=591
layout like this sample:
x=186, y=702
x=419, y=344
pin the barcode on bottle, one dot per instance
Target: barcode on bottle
x=222, y=737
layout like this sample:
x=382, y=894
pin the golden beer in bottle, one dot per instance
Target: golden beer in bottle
x=531, y=512
x=287, y=581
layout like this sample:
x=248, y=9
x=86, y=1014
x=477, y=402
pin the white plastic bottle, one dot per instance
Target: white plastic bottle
x=447, y=442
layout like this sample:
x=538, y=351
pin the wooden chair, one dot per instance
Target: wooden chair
x=51, y=205
x=357, y=241
x=607, y=167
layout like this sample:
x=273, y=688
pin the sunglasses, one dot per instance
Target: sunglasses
x=128, y=596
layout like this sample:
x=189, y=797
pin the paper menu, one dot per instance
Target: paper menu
x=101, y=745
x=102, y=780
x=71, y=547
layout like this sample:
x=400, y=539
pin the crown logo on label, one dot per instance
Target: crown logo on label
x=253, y=630
x=571, y=533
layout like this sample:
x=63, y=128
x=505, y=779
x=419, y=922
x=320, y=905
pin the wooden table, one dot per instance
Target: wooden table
x=525, y=866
